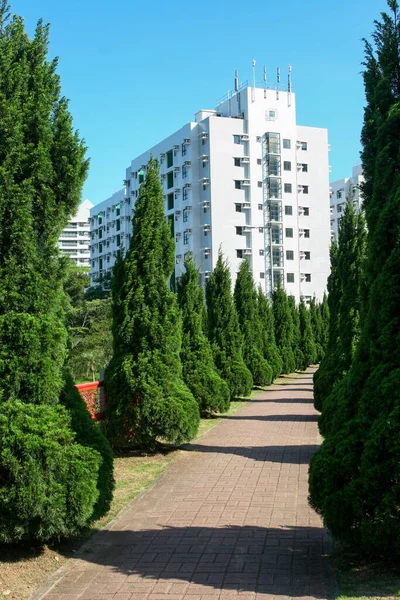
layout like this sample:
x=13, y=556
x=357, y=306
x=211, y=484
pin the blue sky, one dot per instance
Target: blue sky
x=135, y=72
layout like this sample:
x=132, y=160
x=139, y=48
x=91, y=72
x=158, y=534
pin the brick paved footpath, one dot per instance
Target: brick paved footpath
x=228, y=519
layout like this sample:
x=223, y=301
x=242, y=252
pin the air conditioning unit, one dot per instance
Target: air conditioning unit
x=177, y=190
x=162, y=155
x=186, y=141
x=176, y=147
x=244, y=137
x=188, y=207
x=299, y=165
x=177, y=212
x=188, y=163
x=163, y=175
x=188, y=231
x=245, y=160
x=188, y=186
x=206, y=204
x=178, y=235
x=301, y=231
x=247, y=251
x=205, y=181
x=177, y=169
x=204, y=135
x=299, y=188
x=245, y=182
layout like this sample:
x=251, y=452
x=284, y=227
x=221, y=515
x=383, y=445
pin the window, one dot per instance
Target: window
x=273, y=165
x=261, y=252
x=204, y=162
x=141, y=176
x=258, y=138
x=304, y=168
x=290, y=277
x=303, y=145
x=259, y=161
x=100, y=247
x=306, y=211
x=273, y=143
x=185, y=215
x=339, y=194
x=239, y=231
x=289, y=232
x=259, y=183
x=261, y=230
x=238, y=208
x=100, y=220
x=171, y=225
x=118, y=210
x=305, y=189
x=170, y=159
x=260, y=207
x=170, y=180
x=236, y=139
x=289, y=255
x=236, y=162
x=287, y=188
x=203, y=141
x=185, y=238
x=270, y=114
x=100, y=264
x=185, y=194
x=118, y=224
x=287, y=165
x=184, y=172
x=100, y=233
x=307, y=255
x=262, y=275
x=118, y=240
x=288, y=210
x=184, y=149
x=237, y=185
x=286, y=144
x=170, y=199
x=307, y=277
x=239, y=253
x=306, y=233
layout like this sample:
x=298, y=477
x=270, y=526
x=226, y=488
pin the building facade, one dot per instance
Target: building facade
x=341, y=190
x=244, y=177
x=75, y=238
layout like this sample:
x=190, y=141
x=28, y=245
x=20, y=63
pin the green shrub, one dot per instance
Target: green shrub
x=47, y=480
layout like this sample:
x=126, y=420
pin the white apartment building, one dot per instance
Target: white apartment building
x=75, y=238
x=340, y=191
x=244, y=177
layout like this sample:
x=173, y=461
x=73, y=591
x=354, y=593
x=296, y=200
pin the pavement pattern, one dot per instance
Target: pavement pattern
x=228, y=519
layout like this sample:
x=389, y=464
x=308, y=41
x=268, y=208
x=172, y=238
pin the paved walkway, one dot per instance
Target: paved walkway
x=228, y=519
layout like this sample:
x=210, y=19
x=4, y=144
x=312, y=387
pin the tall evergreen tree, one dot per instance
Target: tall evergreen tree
x=224, y=332
x=317, y=326
x=350, y=262
x=245, y=296
x=296, y=337
x=354, y=476
x=283, y=329
x=199, y=371
x=307, y=343
x=50, y=484
x=324, y=312
x=147, y=398
x=270, y=350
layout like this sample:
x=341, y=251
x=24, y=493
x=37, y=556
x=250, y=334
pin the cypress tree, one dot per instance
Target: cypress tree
x=307, y=344
x=49, y=464
x=354, y=477
x=199, y=371
x=245, y=296
x=317, y=329
x=283, y=329
x=296, y=338
x=147, y=398
x=350, y=261
x=224, y=332
x=324, y=312
x=270, y=350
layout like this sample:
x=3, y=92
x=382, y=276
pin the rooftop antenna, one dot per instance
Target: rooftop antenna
x=265, y=81
x=278, y=80
x=289, y=86
x=236, y=80
x=253, y=91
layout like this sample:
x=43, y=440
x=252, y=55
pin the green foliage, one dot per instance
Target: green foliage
x=284, y=329
x=47, y=480
x=296, y=339
x=318, y=331
x=199, y=371
x=102, y=289
x=90, y=338
x=224, y=332
x=307, y=343
x=270, y=350
x=147, y=398
x=245, y=296
x=49, y=484
x=76, y=280
x=354, y=477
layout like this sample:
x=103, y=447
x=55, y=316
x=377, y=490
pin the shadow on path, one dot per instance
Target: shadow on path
x=294, y=418
x=289, y=561
x=279, y=454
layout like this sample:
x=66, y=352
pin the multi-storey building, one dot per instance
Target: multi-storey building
x=244, y=177
x=341, y=190
x=75, y=238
